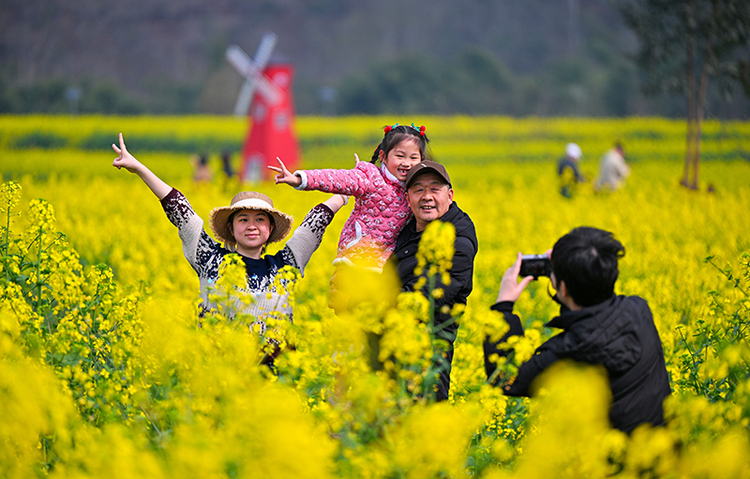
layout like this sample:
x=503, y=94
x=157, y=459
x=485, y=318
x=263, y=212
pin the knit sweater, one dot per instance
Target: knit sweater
x=205, y=255
x=369, y=235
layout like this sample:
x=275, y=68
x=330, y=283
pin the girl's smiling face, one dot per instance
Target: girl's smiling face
x=401, y=158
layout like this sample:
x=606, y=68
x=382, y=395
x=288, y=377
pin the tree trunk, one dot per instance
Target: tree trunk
x=690, y=142
x=700, y=112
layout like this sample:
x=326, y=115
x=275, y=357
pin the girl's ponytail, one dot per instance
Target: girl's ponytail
x=376, y=155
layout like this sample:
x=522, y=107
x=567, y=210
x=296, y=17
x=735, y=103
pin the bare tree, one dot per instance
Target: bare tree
x=682, y=45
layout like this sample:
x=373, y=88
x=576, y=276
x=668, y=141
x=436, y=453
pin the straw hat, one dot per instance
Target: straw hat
x=249, y=200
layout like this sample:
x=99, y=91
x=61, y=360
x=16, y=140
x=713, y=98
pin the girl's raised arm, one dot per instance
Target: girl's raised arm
x=128, y=161
x=285, y=176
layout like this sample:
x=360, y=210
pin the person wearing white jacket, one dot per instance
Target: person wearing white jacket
x=613, y=170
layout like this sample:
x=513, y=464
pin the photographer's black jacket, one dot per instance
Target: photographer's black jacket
x=620, y=335
x=460, y=274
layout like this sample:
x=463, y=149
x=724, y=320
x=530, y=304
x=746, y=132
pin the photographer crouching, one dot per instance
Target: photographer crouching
x=598, y=327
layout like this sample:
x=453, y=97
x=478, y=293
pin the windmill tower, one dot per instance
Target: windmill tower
x=266, y=96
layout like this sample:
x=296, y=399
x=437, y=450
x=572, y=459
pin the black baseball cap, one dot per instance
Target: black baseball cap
x=427, y=166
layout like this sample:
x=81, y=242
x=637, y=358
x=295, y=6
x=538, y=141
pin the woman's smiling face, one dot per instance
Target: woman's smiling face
x=251, y=230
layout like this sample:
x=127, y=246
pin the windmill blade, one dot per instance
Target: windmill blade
x=252, y=70
x=272, y=93
x=246, y=96
x=244, y=65
x=266, y=87
x=240, y=61
x=263, y=53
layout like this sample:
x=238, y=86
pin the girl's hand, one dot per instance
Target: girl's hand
x=125, y=160
x=284, y=175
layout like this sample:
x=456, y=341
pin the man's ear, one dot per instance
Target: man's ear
x=564, y=296
x=450, y=193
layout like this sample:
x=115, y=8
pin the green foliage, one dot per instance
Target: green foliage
x=46, y=96
x=479, y=83
x=717, y=32
x=6, y=99
x=620, y=86
x=107, y=98
x=177, y=98
x=39, y=139
x=716, y=356
x=63, y=96
x=164, y=142
x=475, y=82
x=74, y=320
x=408, y=84
x=98, y=141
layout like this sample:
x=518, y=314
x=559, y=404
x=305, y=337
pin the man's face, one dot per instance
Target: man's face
x=429, y=198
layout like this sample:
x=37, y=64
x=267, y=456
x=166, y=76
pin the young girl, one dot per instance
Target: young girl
x=381, y=211
x=245, y=227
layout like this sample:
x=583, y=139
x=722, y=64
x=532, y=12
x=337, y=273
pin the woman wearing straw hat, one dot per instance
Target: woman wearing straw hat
x=245, y=227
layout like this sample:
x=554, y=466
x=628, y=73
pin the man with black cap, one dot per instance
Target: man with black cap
x=430, y=197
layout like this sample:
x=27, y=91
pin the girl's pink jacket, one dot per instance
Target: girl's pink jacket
x=380, y=212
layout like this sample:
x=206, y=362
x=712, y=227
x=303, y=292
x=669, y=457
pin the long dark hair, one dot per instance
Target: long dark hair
x=394, y=135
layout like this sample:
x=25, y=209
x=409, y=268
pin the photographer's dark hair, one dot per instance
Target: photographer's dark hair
x=586, y=259
x=395, y=135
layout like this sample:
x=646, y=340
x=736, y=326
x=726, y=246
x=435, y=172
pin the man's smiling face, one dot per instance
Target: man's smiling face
x=429, y=198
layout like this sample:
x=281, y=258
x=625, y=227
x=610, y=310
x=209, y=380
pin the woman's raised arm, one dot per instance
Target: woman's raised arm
x=128, y=161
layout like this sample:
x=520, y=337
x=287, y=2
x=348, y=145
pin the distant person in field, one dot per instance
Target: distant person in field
x=598, y=327
x=369, y=235
x=226, y=163
x=245, y=227
x=568, y=169
x=202, y=172
x=613, y=170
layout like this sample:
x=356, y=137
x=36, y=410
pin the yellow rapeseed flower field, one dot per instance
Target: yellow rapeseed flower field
x=107, y=373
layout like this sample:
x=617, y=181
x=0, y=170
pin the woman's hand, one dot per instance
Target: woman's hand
x=335, y=202
x=284, y=175
x=125, y=160
x=128, y=161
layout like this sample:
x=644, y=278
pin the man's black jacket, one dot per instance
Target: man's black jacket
x=460, y=274
x=620, y=335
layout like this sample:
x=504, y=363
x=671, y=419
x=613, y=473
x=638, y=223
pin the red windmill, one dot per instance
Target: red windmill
x=267, y=96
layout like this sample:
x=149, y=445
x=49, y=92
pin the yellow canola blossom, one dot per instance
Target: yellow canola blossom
x=109, y=371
